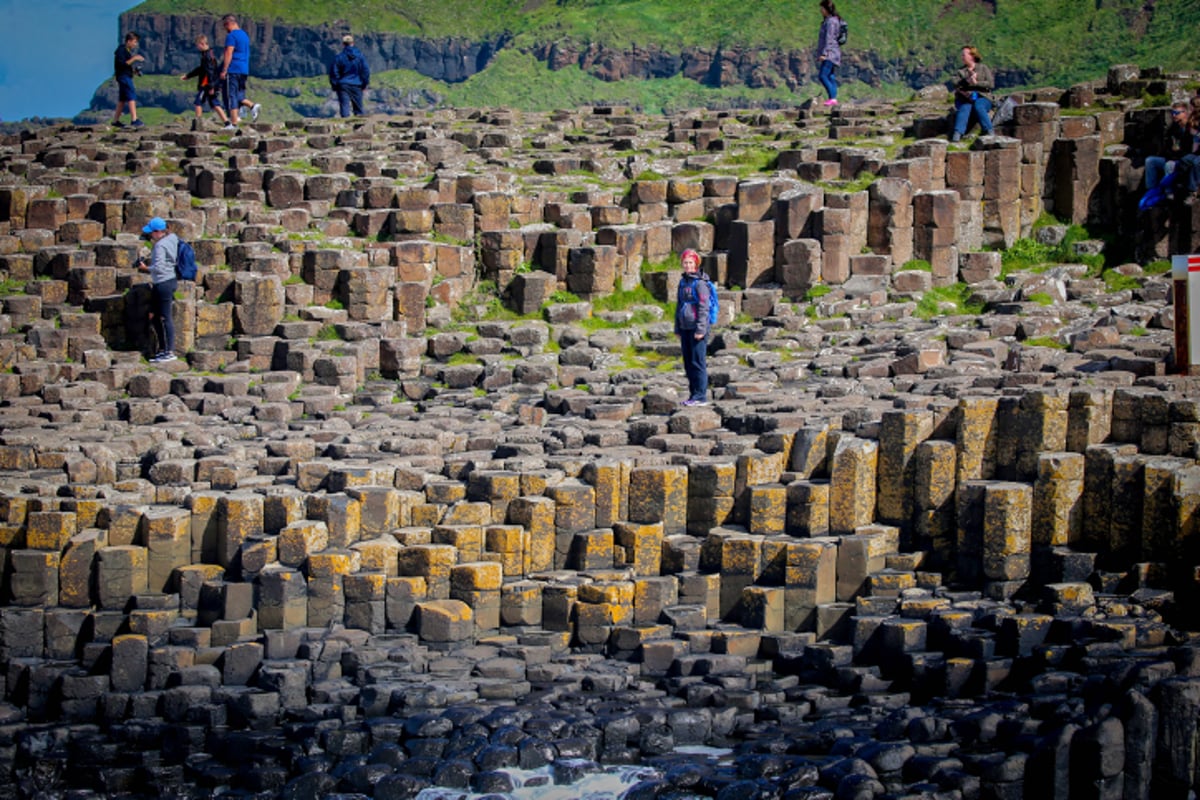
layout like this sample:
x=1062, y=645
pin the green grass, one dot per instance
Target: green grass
x=620, y=299
x=328, y=333
x=1033, y=256
x=817, y=292
x=1116, y=282
x=1160, y=267
x=1042, y=299
x=916, y=265
x=561, y=296
x=1044, y=341
x=956, y=296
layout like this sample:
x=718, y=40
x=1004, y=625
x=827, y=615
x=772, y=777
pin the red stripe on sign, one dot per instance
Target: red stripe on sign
x=1193, y=263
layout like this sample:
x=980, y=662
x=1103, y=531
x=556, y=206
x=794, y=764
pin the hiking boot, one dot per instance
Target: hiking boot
x=254, y=111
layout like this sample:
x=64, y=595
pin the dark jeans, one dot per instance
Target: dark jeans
x=983, y=113
x=1189, y=169
x=162, y=295
x=234, y=91
x=827, y=75
x=695, y=364
x=350, y=97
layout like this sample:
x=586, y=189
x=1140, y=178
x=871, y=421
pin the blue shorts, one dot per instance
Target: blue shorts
x=234, y=90
x=204, y=96
x=125, y=91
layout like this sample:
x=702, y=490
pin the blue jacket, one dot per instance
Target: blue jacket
x=349, y=69
x=691, y=304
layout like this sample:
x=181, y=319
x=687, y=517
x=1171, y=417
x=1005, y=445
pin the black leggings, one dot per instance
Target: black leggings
x=161, y=297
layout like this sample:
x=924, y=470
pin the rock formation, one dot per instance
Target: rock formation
x=374, y=533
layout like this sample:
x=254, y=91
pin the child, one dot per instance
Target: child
x=208, y=76
x=127, y=63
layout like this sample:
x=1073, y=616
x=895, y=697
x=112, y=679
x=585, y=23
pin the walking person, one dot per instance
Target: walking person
x=972, y=89
x=829, y=50
x=127, y=63
x=164, y=252
x=349, y=76
x=207, y=76
x=692, y=302
x=235, y=69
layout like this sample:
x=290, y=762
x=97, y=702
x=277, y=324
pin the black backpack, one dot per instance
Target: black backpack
x=843, y=32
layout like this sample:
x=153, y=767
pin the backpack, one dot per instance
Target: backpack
x=843, y=32
x=185, y=262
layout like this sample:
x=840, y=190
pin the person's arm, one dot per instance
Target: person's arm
x=225, y=63
x=333, y=70
x=703, y=301
x=985, y=81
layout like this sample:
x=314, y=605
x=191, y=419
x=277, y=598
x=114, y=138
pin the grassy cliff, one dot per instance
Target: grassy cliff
x=1045, y=41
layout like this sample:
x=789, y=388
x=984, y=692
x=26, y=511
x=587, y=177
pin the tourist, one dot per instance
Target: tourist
x=829, y=50
x=234, y=71
x=349, y=76
x=207, y=75
x=164, y=251
x=972, y=88
x=692, y=302
x=1176, y=144
x=1188, y=165
x=127, y=63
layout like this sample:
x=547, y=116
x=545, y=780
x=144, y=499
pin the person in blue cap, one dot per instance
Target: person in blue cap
x=164, y=251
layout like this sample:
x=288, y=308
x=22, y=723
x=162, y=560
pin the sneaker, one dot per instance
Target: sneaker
x=956, y=137
x=163, y=358
x=697, y=402
x=688, y=402
x=137, y=123
x=831, y=102
x=254, y=110
x=118, y=124
x=230, y=127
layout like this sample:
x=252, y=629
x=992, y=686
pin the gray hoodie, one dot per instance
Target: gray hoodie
x=162, y=258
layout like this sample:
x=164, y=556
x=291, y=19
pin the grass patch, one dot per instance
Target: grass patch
x=947, y=300
x=817, y=292
x=1160, y=267
x=1029, y=255
x=621, y=299
x=327, y=333
x=1041, y=298
x=1118, y=282
x=916, y=265
x=561, y=296
x=1044, y=341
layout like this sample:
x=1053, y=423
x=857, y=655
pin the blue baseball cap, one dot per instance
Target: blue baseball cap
x=155, y=224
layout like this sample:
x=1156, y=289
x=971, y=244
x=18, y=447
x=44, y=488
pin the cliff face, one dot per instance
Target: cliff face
x=289, y=51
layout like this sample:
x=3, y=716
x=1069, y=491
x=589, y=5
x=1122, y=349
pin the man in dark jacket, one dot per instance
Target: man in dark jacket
x=127, y=62
x=349, y=76
x=1176, y=145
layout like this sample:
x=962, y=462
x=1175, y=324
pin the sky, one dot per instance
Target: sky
x=56, y=54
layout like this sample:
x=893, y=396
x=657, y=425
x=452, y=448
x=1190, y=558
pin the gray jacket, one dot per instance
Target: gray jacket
x=162, y=258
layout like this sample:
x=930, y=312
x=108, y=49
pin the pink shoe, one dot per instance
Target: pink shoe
x=830, y=102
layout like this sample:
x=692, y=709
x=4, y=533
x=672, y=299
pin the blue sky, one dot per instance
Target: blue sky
x=56, y=53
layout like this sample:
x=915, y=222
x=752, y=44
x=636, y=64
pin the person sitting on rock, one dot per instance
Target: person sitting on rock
x=972, y=89
x=1176, y=145
x=1188, y=166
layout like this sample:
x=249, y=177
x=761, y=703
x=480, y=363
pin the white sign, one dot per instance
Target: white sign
x=1187, y=268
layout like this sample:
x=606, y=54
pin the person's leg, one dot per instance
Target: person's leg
x=1156, y=168
x=356, y=94
x=686, y=345
x=233, y=107
x=825, y=77
x=133, y=111
x=983, y=112
x=164, y=318
x=962, y=115
x=833, y=81
x=343, y=96
x=700, y=361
